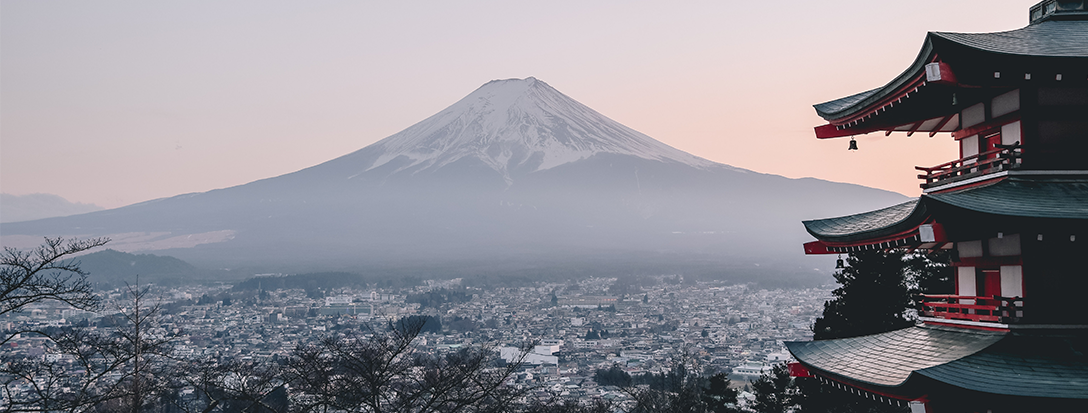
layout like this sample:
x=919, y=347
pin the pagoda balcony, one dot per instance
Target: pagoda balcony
x=990, y=309
x=1004, y=158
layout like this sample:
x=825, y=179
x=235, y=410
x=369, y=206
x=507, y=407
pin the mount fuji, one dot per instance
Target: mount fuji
x=514, y=177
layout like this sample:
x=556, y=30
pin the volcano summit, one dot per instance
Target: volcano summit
x=516, y=127
x=516, y=176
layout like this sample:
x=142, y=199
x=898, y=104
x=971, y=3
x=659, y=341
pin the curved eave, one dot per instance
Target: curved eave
x=1022, y=365
x=869, y=111
x=1034, y=197
x=1052, y=198
x=882, y=224
x=1044, y=364
x=889, y=359
x=843, y=108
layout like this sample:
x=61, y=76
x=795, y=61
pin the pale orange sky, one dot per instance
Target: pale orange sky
x=114, y=103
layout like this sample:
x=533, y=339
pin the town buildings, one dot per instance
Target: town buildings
x=720, y=326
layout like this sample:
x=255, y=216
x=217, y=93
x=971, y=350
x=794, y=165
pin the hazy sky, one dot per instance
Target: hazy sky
x=117, y=102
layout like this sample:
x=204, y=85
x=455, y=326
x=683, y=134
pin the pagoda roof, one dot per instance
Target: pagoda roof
x=828, y=110
x=1025, y=196
x=888, y=359
x=1055, y=38
x=867, y=225
x=1036, y=364
x=907, y=103
x=1022, y=365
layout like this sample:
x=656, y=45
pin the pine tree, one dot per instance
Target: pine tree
x=873, y=297
x=774, y=391
x=931, y=273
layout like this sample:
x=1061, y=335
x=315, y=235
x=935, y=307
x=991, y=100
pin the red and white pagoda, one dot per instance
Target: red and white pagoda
x=1012, y=210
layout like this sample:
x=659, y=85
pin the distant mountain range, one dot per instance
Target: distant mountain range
x=15, y=208
x=514, y=178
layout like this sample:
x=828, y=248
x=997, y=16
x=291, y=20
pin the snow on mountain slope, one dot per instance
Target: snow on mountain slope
x=522, y=124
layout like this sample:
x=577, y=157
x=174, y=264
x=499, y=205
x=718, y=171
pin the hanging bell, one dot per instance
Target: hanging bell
x=839, y=264
x=853, y=145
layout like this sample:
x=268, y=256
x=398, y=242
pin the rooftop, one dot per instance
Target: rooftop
x=1037, y=364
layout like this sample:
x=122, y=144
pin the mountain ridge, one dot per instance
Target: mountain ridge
x=509, y=122
x=514, y=172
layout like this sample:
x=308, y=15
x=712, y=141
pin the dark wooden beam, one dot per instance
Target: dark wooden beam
x=940, y=125
x=914, y=128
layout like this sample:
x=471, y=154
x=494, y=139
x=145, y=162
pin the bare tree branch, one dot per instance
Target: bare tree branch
x=44, y=273
x=386, y=372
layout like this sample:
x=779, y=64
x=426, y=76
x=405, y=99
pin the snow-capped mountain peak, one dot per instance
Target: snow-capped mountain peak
x=522, y=124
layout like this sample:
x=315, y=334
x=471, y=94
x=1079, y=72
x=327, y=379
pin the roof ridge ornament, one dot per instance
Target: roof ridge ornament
x=1057, y=10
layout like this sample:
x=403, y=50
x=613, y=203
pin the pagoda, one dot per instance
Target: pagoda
x=1011, y=210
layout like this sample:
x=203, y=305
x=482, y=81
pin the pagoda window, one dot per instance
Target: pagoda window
x=973, y=115
x=1012, y=281
x=969, y=249
x=1005, y=104
x=968, y=148
x=966, y=283
x=1005, y=246
x=1010, y=133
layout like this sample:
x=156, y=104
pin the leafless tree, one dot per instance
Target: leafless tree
x=46, y=273
x=148, y=347
x=117, y=369
x=234, y=386
x=385, y=372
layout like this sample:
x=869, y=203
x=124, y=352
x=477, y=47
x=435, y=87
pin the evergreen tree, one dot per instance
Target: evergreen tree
x=614, y=376
x=872, y=298
x=931, y=273
x=774, y=391
x=718, y=395
x=681, y=390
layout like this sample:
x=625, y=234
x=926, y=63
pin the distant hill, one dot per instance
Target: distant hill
x=516, y=180
x=15, y=208
x=111, y=269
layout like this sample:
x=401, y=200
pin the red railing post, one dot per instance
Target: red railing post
x=1004, y=157
x=977, y=308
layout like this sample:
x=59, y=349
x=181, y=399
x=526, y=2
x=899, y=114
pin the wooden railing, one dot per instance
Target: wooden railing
x=993, y=309
x=1003, y=158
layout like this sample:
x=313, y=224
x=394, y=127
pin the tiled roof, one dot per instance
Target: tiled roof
x=1034, y=197
x=1040, y=365
x=1049, y=38
x=1055, y=38
x=888, y=359
x=886, y=221
x=838, y=105
x=1023, y=197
